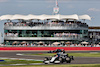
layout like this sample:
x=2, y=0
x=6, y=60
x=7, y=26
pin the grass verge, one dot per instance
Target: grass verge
x=65, y=65
x=73, y=54
x=9, y=61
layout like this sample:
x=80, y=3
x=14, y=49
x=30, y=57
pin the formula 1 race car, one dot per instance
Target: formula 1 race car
x=59, y=58
x=57, y=51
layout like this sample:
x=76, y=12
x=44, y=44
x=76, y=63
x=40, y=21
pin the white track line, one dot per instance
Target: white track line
x=19, y=59
x=17, y=64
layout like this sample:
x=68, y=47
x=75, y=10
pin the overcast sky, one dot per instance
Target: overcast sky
x=38, y=7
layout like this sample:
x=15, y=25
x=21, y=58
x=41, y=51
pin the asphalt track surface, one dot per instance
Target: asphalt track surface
x=78, y=60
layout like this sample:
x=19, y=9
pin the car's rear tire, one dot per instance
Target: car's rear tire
x=68, y=60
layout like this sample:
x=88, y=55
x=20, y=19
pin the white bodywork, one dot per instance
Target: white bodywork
x=53, y=58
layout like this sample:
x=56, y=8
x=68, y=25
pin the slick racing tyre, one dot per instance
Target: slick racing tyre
x=46, y=62
x=61, y=60
x=68, y=60
x=46, y=58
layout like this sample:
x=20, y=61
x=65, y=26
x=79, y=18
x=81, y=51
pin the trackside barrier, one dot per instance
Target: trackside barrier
x=49, y=48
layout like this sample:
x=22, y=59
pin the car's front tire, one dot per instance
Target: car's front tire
x=46, y=62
